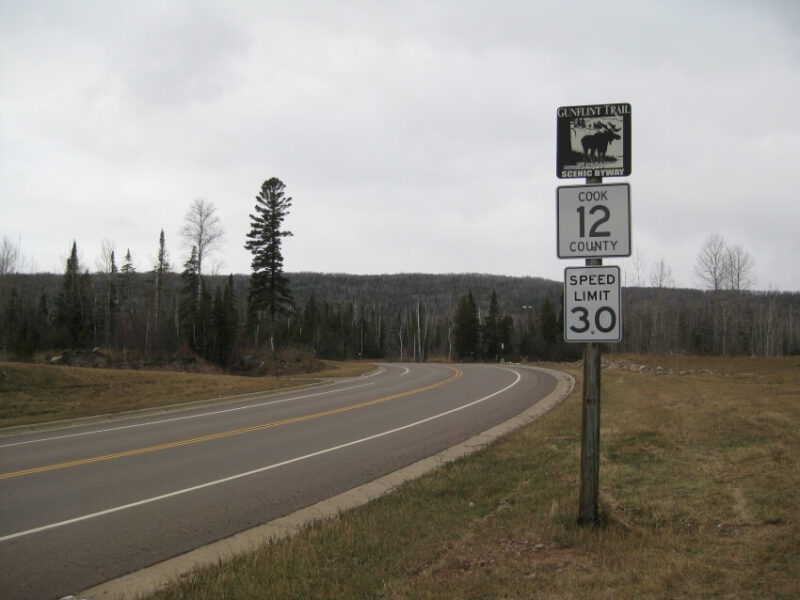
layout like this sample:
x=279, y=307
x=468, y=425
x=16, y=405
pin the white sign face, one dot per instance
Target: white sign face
x=592, y=304
x=594, y=221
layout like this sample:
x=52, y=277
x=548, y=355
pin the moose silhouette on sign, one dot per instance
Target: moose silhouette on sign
x=596, y=145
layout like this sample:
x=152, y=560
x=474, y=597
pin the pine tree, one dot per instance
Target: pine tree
x=128, y=299
x=466, y=329
x=269, y=288
x=224, y=323
x=491, y=337
x=549, y=327
x=160, y=269
x=190, y=302
x=71, y=315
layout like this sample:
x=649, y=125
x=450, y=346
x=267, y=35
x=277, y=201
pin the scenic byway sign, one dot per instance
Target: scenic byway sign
x=592, y=304
x=594, y=221
x=593, y=141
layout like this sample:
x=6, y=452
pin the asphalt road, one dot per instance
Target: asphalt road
x=80, y=505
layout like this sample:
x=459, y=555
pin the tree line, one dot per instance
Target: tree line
x=156, y=315
x=166, y=312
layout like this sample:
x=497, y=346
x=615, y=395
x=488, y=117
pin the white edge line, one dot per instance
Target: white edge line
x=255, y=471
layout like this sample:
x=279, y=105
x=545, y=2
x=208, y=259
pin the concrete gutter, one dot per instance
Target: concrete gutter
x=155, y=577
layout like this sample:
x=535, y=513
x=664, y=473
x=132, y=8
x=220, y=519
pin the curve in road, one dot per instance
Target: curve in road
x=182, y=480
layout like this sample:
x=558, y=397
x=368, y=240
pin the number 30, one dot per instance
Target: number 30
x=598, y=322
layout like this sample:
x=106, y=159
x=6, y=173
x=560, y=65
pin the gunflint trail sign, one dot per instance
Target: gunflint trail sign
x=593, y=141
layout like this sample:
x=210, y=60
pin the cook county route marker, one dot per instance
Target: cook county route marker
x=594, y=221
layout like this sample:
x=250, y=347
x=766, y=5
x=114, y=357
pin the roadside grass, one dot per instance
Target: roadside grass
x=38, y=393
x=699, y=499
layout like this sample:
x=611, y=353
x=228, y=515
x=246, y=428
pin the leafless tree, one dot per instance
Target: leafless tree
x=9, y=257
x=710, y=267
x=104, y=261
x=661, y=275
x=739, y=269
x=633, y=271
x=202, y=230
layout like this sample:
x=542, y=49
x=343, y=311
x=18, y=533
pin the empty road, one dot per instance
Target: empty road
x=80, y=505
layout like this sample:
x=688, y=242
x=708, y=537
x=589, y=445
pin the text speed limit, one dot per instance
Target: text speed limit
x=592, y=304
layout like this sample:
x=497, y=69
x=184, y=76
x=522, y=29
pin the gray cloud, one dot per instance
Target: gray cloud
x=413, y=136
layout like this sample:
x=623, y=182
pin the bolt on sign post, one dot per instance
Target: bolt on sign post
x=592, y=222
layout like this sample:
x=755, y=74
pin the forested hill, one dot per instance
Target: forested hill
x=439, y=293
x=397, y=316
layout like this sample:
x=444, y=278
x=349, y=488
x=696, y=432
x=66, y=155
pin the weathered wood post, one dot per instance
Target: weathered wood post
x=590, y=421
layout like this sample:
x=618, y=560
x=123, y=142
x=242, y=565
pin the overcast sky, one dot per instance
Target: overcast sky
x=413, y=136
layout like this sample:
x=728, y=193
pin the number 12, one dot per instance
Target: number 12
x=594, y=232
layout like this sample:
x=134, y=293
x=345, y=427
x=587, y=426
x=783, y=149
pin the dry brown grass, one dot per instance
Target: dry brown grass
x=37, y=393
x=699, y=497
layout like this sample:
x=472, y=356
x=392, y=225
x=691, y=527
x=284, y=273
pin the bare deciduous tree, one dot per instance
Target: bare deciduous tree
x=636, y=269
x=9, y=257
x=202, y=230
x=739, y=269
x=710, y=268
x=661, y=275
x=103, y=262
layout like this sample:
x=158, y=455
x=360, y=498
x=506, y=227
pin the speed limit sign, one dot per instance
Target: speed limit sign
x=592, y=304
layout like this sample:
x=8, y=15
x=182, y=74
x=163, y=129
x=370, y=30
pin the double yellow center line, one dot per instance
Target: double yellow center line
x=225, y=434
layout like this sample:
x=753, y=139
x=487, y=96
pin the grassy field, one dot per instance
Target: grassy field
x=699, y=498
x=37, y=393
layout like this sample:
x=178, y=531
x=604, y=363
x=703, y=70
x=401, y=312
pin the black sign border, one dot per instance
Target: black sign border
x=566, y=288
x=564, y=152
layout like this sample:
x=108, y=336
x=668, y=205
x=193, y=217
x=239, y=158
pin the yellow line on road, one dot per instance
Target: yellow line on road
x=225, y=434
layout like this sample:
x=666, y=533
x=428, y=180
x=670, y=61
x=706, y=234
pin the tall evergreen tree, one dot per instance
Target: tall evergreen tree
x=128, y=300
x=161, y=268
x=549, y=327
x=190, y=302
x=71, y=315
x=466, y=330
x=269, y=287
x=491, y=333
x=224, y=323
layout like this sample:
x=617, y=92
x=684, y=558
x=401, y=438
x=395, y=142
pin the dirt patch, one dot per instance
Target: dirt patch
x=626, y=364
x=524, y=556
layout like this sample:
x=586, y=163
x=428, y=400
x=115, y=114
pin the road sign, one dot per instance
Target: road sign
x=593, y=141
x=594, y=221
x=592, y=304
